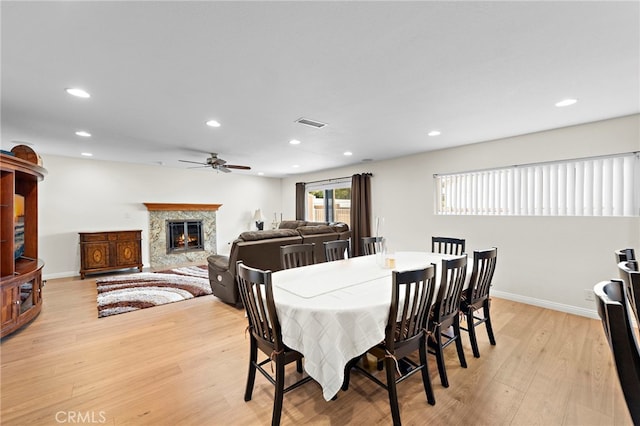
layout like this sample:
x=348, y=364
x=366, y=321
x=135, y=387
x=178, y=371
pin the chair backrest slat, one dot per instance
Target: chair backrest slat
x=336, y=250
x=296, y=255
x=448, y=245
x=484, y=265
x=257, y=295
x=411, y=295
x=371, y=245
x=453, y=275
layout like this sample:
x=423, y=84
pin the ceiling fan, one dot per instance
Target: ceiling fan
x=218, y=164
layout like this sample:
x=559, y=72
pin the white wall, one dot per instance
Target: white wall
x=80, y=195
x=548, y=261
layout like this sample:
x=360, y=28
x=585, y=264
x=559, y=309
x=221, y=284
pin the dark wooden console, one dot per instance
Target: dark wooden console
x=110, y=250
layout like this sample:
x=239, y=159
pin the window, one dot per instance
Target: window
x=329, y=201
x=597, y=186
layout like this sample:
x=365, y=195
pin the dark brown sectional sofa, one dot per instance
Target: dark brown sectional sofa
x=261, y=249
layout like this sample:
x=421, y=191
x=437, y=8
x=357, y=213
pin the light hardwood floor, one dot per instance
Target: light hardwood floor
x=186, y=364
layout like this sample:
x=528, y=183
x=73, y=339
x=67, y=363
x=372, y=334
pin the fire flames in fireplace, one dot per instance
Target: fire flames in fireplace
x=184, y=235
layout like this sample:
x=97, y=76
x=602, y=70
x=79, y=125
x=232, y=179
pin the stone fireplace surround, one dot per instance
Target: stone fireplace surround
x=159, y=213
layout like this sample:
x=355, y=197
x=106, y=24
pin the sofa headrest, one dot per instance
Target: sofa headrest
x=340, y=226
x=316, y=229
x=263, y=235
x=316, y=223
x=291, y=224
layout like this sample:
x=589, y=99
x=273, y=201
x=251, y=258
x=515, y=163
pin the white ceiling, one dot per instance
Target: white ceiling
x=381, y=74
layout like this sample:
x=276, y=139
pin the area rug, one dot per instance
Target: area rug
x=126, y=293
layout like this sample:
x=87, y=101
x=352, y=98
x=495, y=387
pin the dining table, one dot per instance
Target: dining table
x=332, y=312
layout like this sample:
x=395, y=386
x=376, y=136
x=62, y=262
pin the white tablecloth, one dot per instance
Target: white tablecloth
x=334, y=311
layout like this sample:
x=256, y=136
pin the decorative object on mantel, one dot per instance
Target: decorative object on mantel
x=126, y=293
x=257, y=216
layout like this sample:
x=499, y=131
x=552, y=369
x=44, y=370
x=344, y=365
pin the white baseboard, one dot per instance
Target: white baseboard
x=589, y=313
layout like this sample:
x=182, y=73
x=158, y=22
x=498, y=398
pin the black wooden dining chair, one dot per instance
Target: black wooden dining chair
x=630, y=277
x=476, y=296
x=336, y=250
x=447, y=245
x=445, y=319
x=625, y=254
x=411, y=295
x=295, y=255
x=264, y=329
x=621, y=336
x=371, y=245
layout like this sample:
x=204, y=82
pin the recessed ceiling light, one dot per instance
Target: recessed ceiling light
x=348, y=153
x=566, y=102
x=260, y=173
x=434, y=133
x=83, y=134
x=295, y=166
x=87, y=154
x=213, y=123
x=294, y=142
x=79, y=93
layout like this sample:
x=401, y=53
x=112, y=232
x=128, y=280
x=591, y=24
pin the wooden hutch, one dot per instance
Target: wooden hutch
x=20, y=268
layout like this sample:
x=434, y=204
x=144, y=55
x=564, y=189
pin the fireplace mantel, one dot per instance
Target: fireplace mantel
x=181, y=207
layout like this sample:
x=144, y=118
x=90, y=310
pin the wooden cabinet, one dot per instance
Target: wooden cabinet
x=110, y=250
x=20, y=268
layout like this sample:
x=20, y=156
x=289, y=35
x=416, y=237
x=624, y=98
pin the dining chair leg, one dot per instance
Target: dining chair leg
x=458, y=337
x=426, y=378
x=471, y=328
x=390, y=368
x=487, y=323
x=437, y=346
x=251, y=376
x=299, y=368
x=279, y=392
x=347, y=372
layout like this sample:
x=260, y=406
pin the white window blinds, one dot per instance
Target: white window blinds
x=597, y=186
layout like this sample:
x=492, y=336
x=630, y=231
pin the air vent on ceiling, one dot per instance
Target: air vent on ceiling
x=312, y=123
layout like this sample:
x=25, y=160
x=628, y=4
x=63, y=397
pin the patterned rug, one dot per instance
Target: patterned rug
x=126, y=293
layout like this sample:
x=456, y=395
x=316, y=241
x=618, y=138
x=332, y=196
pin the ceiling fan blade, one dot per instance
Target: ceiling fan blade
x=233, y=166
x=223, y=169
x=194, y=162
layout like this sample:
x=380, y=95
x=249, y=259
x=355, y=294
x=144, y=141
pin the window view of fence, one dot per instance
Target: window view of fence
x=598, y=186
x=329, y=205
